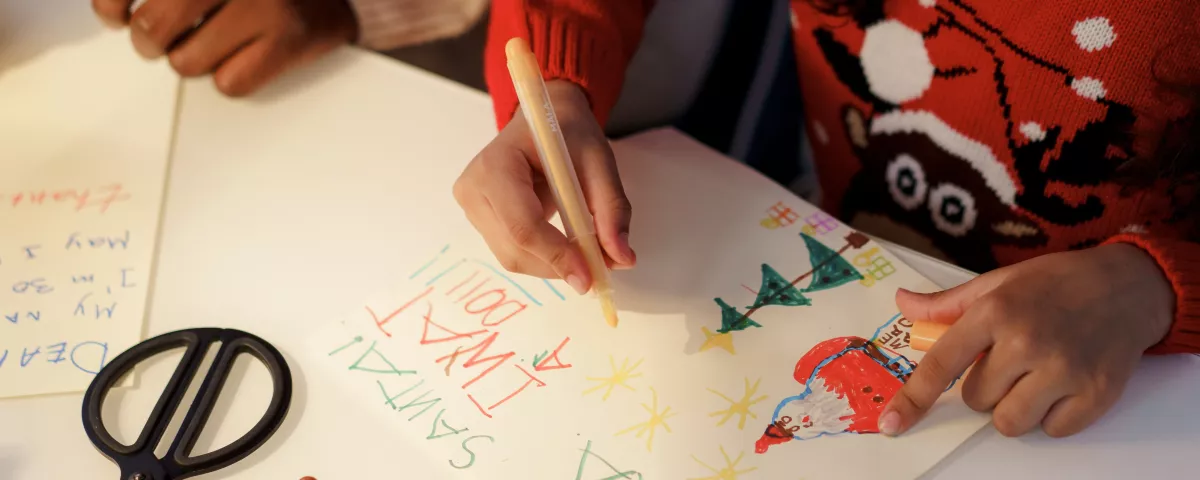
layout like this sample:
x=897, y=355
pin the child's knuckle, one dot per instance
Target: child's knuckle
x=1057, y=428
x=619, y=204
x=510, y=263
x=1021, y=344
x=522, y=234
x=997, y=309
x=974, y=399
x=558, y=258
x=185, y=65
x=497, y=159
x=462, y=189
x=1009, y=422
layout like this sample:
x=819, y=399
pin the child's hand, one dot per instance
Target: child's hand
x=1062, y=334
x=506, y=198
x=245, y=42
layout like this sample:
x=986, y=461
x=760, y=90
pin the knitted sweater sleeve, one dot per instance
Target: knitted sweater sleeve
x=388, y=24
x=587, y=42
x=1180, y=262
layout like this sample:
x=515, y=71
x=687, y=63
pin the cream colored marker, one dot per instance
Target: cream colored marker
x=559, y=170
x=924, y=334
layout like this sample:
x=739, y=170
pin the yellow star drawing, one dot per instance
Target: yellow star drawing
x=620, y=377
x=740, y=407
x=723, y=340
x=650, y=425
x=728, y=472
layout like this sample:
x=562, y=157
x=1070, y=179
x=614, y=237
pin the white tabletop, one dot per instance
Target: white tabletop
x=264, y=232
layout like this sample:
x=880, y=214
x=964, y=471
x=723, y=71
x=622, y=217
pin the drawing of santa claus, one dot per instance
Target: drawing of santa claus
x=847, y=382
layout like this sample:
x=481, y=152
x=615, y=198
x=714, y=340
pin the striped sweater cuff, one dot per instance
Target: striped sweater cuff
x=388, y=24
x=1180, y=261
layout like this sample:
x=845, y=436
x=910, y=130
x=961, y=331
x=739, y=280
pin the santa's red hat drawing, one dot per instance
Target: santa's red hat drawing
x=847, y=381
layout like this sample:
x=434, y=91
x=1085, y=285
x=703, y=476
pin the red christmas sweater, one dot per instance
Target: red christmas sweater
x=987, y=132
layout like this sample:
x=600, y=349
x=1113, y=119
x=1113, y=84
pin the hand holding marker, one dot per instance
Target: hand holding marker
x=558, y=168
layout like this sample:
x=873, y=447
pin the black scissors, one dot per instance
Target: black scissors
x=138, y=461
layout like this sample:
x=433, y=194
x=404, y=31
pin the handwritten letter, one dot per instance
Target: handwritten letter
x=80, y=196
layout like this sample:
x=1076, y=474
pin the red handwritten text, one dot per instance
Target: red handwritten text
x=461, y=323
x=99, y=198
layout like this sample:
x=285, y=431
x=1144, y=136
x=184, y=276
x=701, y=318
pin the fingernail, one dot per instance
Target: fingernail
x=889, y=423
x=627, y=255
x=143, y=24
x=141, y=39
x=577, y=283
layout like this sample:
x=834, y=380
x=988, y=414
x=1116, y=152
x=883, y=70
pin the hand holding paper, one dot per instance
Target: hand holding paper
x=1062, y=334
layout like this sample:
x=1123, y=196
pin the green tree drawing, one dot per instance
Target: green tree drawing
x=776, y=290
x=830, y=269
x=731, y=320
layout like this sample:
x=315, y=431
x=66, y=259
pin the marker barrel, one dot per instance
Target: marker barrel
x=925, y=333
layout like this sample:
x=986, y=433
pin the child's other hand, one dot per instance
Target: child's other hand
x=244, y=43
x=507, y=199
x=1062, y=334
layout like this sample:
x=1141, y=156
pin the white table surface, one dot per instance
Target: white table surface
x=271, y=236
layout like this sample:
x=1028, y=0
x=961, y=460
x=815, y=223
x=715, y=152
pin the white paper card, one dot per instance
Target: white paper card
x=84, y=143
x=756, y=342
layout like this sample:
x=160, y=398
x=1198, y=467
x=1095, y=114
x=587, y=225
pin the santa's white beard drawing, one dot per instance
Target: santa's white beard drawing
x=847, y=382
x=821, y=412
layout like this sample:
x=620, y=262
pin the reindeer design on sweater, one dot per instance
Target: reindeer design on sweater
x=959, y=179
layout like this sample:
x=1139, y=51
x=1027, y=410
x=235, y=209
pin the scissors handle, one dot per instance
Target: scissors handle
x=138, y=461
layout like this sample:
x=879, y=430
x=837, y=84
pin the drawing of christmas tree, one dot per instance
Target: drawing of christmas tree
x=731, y=320
x=777, y=291
x=829, y=270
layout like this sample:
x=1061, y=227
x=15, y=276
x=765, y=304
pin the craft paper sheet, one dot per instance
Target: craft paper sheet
x=759, y=338
x=84, y=140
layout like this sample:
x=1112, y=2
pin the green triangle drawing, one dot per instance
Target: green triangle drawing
x=776, y=290
x=831, y=270
x=612, y=472
x=731, y=320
